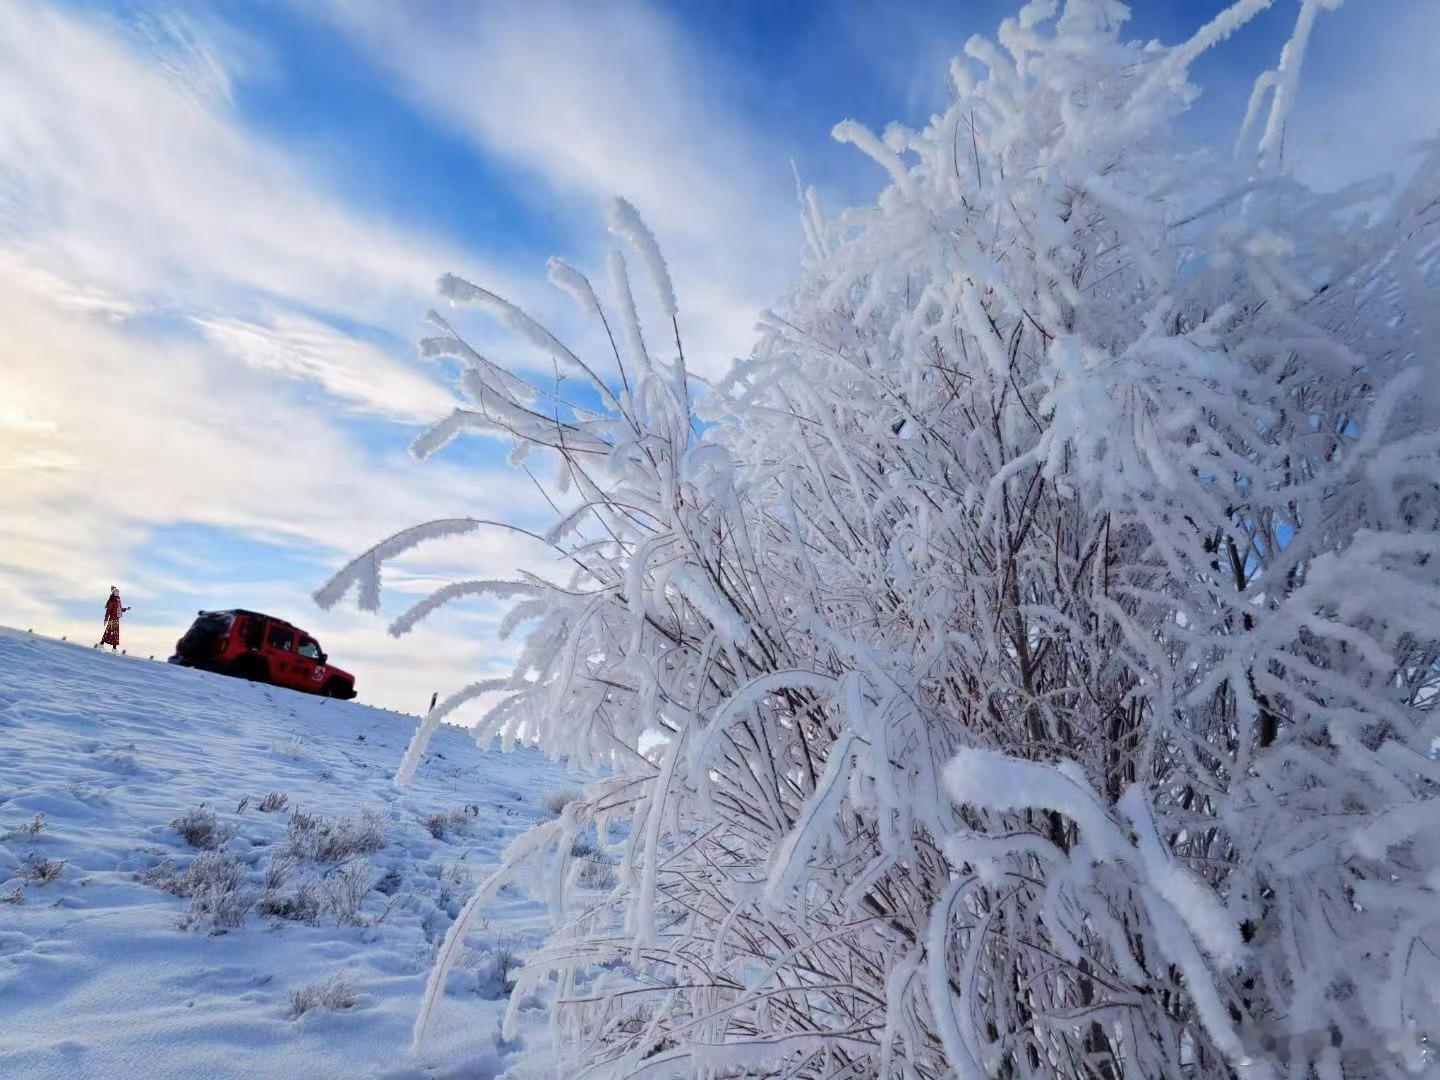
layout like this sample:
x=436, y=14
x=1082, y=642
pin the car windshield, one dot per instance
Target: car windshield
x=309, y=649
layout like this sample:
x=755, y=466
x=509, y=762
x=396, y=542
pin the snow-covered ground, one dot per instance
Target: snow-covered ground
x=100, y=975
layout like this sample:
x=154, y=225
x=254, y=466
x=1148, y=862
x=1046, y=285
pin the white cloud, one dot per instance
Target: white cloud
x=116, y=178
x=187, y=51
x=599, y=100
x=352, y=370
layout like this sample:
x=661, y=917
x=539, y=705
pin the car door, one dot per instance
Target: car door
x=310, y=667
x=251, y=632
x=280, y=651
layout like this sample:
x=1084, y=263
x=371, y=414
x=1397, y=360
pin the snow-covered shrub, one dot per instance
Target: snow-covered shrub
x=595, y=873
x=278, y=871
x=493, y=966
x=199, y=827
x=460, y=821
x=303, y=903
x=339, y=891
x=300, y=820
x=1029, y=668
x=583, y=847
x=34, y=827
x=216, y=885
x=41, y=870
x=220, y=899
x=274, y=802
x=161, y=876
x=336, y=992
x=453, y=880
x=346, y=889
x=331, y=840
x=556, y=801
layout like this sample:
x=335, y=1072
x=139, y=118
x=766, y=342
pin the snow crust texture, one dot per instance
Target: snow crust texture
x=204, y=877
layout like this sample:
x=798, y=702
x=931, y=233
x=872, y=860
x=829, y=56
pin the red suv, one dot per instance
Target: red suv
x=261, y=648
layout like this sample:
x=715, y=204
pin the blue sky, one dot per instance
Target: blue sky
x=220, y=225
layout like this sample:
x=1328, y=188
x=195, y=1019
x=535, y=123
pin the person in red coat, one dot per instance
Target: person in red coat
x=113, y=611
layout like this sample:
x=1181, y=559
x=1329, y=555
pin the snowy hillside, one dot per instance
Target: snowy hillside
x=127, y=949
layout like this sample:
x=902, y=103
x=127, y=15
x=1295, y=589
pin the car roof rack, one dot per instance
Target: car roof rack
x=247, y=611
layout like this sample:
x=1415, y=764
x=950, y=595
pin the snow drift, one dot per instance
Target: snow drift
x=201, y=876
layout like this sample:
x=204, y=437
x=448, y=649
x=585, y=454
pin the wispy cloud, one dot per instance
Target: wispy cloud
x=116, y=177
x=186, y=50
x=354, y=371
x=597, y=100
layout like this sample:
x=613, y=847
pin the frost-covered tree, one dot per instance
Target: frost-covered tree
x=1029, y=667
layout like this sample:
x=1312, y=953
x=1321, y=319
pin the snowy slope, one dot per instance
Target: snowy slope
x=97, y=977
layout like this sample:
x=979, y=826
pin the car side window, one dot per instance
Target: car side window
x=308, y=649
x=281, y=638
x=250, y=630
